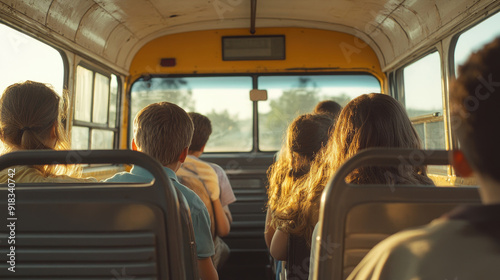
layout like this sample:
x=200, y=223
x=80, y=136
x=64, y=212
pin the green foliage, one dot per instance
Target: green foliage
x=293, y=102
x=223, y=123
x=227, y=132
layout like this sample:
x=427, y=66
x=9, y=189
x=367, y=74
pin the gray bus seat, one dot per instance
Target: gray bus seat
x=189, y=244
x=96, y=230
x=354, y=218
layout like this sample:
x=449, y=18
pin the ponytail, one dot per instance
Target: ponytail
x=30, y=119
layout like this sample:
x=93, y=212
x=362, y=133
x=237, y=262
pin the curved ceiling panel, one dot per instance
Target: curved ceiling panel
x=410, y=22
x=120, y=39
x=65, y=19
x=426, y=15
x=36, y=10
x=137, y=16
x=393, y=29
x=94, y=29
x=100, y=26
x=383, y=43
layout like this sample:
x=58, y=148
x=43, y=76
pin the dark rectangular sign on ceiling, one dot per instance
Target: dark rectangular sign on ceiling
x=270, y=47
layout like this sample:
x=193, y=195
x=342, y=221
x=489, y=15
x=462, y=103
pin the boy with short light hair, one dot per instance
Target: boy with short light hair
x=164, y=131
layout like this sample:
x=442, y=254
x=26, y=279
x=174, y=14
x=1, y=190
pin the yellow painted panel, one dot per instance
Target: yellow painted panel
x=201, y=52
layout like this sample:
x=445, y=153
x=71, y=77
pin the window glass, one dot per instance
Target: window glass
x=113, y=100
x=224, y=100
x=422, y=85
x=290, y=96
x=434, y=136
x=101, y=99
x=94, y=123
x=474, y=38
x=102, y=139
x=424, y=100
x=83, y=98
x=79, y=138
x=18, y=50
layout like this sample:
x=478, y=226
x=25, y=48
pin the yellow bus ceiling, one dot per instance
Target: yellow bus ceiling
x=115, y=30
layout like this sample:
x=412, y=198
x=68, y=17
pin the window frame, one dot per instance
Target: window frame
x=93, y=125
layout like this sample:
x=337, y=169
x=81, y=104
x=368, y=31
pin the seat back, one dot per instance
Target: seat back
x=354, y=218
x=189, y=244
x=93, y=230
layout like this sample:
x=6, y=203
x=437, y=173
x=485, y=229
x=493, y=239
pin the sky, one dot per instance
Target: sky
x=24, y=58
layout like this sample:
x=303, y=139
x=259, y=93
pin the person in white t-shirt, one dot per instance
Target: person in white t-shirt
x=210, y=182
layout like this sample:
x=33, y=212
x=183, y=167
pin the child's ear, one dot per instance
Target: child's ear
x=183, y=155
x=134, y=145
x=460, y=164
x=53, y=134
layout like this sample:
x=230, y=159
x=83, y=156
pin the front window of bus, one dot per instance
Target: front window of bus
x=225, y=101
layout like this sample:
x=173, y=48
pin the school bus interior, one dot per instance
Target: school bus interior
x=113, y=57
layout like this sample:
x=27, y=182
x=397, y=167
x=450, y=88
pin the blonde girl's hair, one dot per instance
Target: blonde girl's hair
x=370, y=120
x=305, y=136
x=29, y=113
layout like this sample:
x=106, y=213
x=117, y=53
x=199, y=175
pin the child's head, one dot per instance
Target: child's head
x=306, y=135
x=202, y=131
x=374, y=121
x=30, y=117
x=475, y=110
x=163, y=130
x=328, y=107
x=368, y=121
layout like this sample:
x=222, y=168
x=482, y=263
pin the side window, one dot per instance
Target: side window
x=424, y=101
x=18, y=51
x=94, y=122
x=224, y=100
x=474, y=38
x=290, y=96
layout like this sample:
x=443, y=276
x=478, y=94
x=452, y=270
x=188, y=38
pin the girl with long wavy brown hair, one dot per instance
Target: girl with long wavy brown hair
x=306, y=135
x=368, y=121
